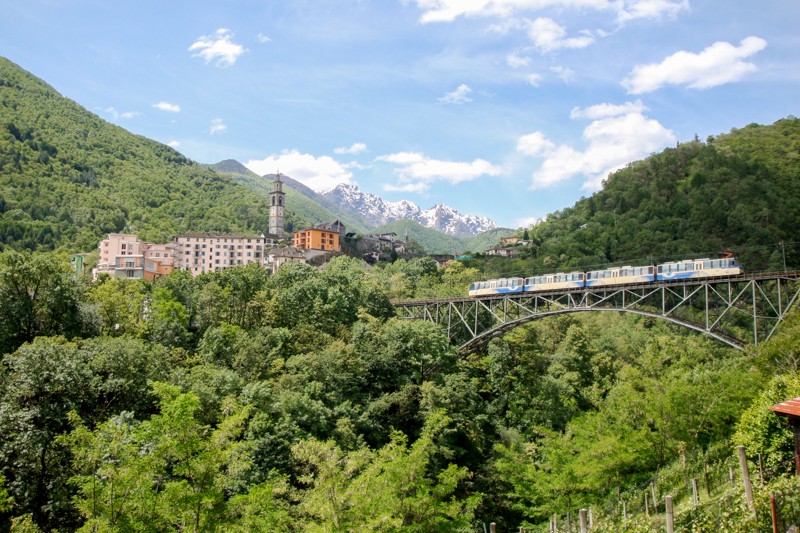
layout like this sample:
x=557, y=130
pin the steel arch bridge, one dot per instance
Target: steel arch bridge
x=737, y=310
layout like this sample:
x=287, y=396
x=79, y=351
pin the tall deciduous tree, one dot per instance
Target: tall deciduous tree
x=167, y=473
x=38, y=296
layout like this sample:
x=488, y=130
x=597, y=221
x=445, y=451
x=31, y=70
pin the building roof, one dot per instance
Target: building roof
x=286, y=251
x=788, y=408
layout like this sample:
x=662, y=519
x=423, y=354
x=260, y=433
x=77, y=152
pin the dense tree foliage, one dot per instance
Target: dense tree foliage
x=237, y=400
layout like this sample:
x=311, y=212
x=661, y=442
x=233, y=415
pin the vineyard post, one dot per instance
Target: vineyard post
x=655, y=500
x=668, y=505
x=748, y=488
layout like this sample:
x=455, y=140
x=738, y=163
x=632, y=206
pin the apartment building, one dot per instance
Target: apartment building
x=317, y=239
x=207, y=252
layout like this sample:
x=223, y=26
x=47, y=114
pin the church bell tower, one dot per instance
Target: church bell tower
x=276, y=206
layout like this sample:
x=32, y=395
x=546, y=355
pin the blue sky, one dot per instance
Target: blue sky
x=509, y=109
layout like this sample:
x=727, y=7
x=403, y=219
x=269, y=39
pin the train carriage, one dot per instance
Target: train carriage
x=620, y=276
x=496, y=286
x=555, y=282
x=698, y=268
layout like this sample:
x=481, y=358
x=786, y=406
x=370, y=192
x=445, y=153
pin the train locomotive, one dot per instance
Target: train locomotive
x=624, y=275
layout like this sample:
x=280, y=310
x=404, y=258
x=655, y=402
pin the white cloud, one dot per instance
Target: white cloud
x=318, y=173
x=459, y=96
x=607, y=110
x=625, y=10
x=718, y=64
x=217, y=126
x=174, y=144
x=617, y=135
x=415, y=188
x=654, y=9
x=516, y=61
x=547, y=35
x=534, y=144
x=534, y=79
x=417, y=171
x=355, y=148
x=262, y=38
x=168, y=107
x=527, y=222
x=218, y=48
x=116, y=115
x=565, y=74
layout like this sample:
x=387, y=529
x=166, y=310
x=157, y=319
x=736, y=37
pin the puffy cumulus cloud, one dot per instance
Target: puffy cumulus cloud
x=168, y=107
x=547, y=35
x=617, y=135
x=534, y=144
x=416, y=171
x=318, y=173
x=459, y=96
x=217, y=126
x=625, y=10
x=218, y=48
x=174, y=144
x=718, y=64
x=355, y=148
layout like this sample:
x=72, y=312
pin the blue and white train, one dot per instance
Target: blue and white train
x=677, y=270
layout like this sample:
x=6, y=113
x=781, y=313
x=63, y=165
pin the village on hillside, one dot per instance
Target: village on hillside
x=124, y=255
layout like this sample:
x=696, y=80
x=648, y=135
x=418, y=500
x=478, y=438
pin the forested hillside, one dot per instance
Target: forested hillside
x=737, y=192
x=67, y=178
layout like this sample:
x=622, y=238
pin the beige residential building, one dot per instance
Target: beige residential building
x=207, y=252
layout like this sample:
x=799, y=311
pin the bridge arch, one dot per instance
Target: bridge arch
x=493, y=333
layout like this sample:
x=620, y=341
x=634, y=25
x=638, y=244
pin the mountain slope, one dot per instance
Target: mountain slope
x=67, y=177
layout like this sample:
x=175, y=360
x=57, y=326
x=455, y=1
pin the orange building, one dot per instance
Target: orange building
x=317, y=239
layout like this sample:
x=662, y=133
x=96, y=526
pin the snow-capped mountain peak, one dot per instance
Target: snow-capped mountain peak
x=378, y=212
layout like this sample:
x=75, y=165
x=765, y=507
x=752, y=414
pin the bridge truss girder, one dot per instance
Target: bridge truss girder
x=736, y=311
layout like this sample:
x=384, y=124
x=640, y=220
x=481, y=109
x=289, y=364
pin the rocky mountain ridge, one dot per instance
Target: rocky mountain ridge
x=378, y=212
